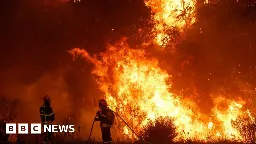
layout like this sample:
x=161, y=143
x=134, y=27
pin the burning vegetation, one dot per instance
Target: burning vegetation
x=139, y=90
x=170, y=15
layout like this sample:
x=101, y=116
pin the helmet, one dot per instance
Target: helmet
x=102, y=103
x=47, y=98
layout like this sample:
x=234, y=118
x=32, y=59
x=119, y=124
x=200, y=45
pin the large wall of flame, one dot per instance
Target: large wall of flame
x=217, y=54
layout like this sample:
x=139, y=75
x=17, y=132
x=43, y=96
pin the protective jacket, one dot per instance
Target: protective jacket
x=46, y=113
x=106, y=117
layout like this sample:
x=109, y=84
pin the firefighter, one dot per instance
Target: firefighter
x=47, y=116
x=106, y=117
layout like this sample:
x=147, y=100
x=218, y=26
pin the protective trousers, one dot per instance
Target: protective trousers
x=47, y=137
x=106, y=135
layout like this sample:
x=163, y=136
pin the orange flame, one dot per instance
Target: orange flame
x=137, y=89
x=169, y=14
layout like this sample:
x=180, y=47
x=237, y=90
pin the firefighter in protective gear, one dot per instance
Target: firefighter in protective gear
x=47, y=116
x=106, y=117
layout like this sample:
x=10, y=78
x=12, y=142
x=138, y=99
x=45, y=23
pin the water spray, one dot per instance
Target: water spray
x=124, y=123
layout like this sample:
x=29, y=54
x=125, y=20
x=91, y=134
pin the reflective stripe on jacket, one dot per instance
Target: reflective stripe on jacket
x=105, y=125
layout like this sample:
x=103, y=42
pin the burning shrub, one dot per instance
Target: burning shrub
x=158, y=132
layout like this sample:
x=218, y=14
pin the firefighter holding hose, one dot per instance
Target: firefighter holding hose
x=47, y=116
x=106, y=117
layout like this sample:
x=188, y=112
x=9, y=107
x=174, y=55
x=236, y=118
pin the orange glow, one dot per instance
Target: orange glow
x=168, y=14
x=139, y=90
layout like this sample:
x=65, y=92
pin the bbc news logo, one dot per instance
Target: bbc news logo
x=36, y=128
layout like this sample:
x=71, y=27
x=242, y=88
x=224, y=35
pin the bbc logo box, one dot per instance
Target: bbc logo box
x=23, y=128
x=36, y=128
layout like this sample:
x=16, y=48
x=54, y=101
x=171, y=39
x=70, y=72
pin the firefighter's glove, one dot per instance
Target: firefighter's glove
x=98, y=113
x=96, y=119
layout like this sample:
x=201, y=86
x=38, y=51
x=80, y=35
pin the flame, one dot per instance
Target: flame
x=167, y=14
x=139, y=91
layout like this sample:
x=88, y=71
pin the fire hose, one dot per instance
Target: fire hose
x=124, y=123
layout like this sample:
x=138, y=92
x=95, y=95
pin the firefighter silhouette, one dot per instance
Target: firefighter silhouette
x=106, y=117
x=47, y=117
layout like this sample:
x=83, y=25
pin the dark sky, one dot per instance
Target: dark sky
x=34, y=61
x=37, y=34
x=40, y=32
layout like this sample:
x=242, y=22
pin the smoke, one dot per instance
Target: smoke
x=30, y=95
x=66, y=87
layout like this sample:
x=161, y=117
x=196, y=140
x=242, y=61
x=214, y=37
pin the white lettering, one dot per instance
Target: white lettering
x=36, y=128
x=47, y=128
x=23, y=128
x=10, y=128
x=54, y=128
x=71, y=128
x=63, y=128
